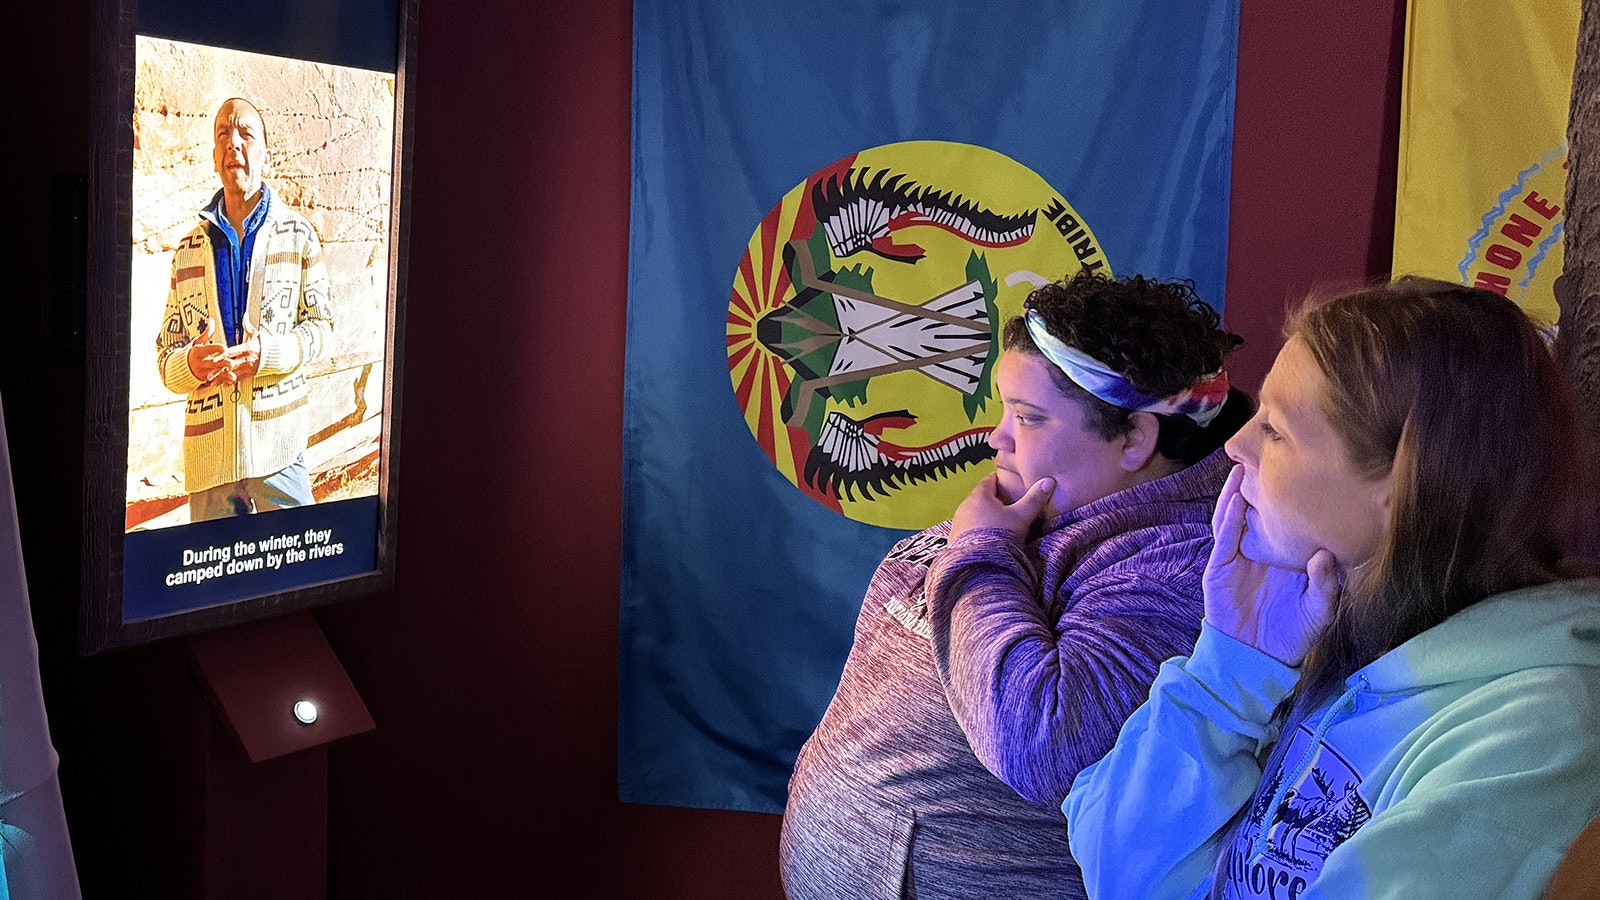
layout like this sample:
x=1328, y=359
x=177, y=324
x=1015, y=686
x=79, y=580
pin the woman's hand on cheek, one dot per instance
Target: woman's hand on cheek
x=1278, y=611
x=986, y=508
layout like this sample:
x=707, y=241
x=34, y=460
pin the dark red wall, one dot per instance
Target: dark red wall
x=1315, y=142
x=491, y=667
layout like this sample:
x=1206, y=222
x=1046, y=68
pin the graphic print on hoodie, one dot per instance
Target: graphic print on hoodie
x=1319, y=810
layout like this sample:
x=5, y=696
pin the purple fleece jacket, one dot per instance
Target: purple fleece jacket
x=984, y=675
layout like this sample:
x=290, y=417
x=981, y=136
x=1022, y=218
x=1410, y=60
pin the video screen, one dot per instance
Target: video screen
x=260, y=293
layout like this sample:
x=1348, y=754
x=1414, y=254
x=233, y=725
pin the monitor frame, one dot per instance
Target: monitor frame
x=103, y=625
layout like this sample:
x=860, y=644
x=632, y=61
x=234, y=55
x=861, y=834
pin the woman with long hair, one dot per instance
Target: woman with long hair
x=1396, y=690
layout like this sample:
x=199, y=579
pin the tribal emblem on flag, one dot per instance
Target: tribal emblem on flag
x=865, y=318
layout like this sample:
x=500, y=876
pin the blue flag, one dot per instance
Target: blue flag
x=836, y=207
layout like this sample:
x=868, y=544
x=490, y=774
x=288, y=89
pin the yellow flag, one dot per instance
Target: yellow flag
x=1483, y=145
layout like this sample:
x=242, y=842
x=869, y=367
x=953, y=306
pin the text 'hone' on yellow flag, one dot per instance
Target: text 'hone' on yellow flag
x=1483, y=149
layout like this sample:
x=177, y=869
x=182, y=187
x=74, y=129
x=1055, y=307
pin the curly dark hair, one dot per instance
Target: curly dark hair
x=1158, y=334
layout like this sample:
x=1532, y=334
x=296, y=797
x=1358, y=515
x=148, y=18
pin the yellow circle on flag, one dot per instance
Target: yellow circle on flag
x=865, y=317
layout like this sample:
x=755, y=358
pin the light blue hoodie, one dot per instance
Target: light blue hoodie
x=1461, y=764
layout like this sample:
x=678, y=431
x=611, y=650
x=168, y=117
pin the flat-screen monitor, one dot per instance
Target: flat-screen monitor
x=245, y=305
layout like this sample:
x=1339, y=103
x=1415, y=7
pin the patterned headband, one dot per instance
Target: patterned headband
x=1200, y=401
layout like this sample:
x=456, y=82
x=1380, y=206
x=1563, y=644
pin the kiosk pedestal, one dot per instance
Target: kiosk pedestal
x=280, y=697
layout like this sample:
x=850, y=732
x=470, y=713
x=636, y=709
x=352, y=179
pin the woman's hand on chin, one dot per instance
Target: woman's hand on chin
x=1278, y=611
x=986, y=507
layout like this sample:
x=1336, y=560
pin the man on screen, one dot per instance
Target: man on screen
x=247, y=312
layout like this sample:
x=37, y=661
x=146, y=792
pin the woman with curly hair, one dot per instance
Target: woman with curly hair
x=1396, y=692
x=998, y=653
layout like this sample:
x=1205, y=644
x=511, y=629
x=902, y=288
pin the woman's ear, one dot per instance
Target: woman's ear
x=1139, y=441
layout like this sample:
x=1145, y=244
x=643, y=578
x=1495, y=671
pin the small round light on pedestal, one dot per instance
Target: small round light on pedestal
x=306, y=712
